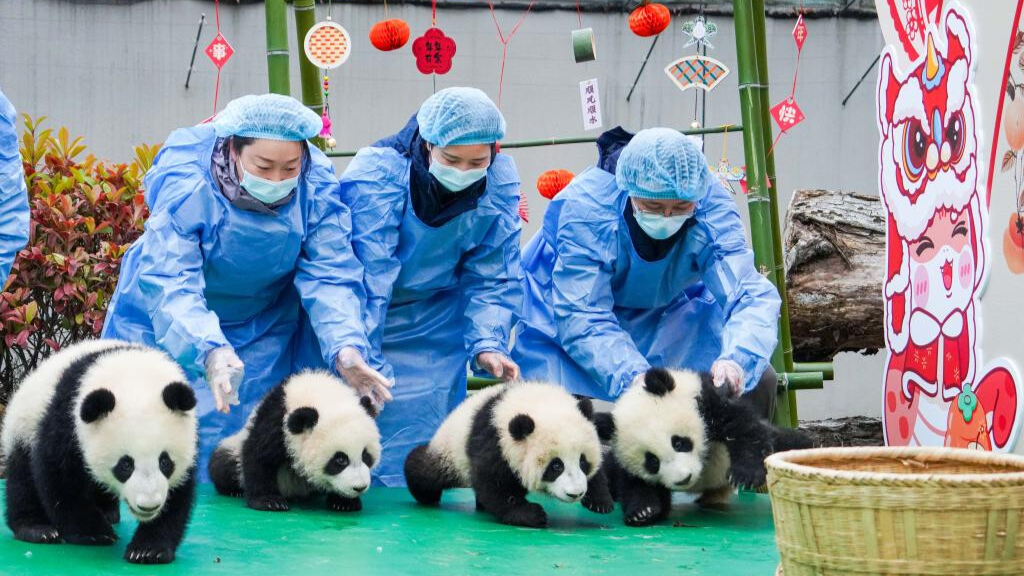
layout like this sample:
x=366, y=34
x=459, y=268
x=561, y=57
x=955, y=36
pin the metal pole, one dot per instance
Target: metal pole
x=560, y=141
x=761, y=201
x=312, y=91
x=277, y=47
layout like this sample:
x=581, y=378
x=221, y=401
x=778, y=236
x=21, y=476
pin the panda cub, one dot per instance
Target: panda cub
x=310, y=435
x=97, y=423
x=506, y=441
x=675, y=431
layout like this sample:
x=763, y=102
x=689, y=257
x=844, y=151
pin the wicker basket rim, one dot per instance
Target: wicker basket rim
x=790, y=464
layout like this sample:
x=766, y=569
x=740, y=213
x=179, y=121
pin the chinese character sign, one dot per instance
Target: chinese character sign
x=590, y=101
x=219, y=51
x=800, y=33
x=434, y=52
x=787, y=114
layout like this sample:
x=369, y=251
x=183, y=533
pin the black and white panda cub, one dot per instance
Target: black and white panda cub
x=507, y=441
x=310, y=435
x=97, y=423
x=675, y=431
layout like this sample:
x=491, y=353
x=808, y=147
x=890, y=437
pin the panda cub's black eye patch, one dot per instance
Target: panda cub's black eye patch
x=367, y=458
x=554, y=470
x=166, y=465
x=651, y=463
x=585, y=464
x=124, y=468
x=336, y=464
x=682, y=444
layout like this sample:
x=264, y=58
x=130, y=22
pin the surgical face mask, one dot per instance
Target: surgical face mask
x=657, y=226
x=453, y=179
x=267, y=191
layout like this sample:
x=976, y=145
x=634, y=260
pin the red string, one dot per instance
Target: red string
x=504, y=41
x=792, y=93
x=216, y=12
x=216, y=89
x=579, y=13
x=433, y=16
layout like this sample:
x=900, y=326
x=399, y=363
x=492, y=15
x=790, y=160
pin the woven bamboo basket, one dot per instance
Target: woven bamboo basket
x=935, y=511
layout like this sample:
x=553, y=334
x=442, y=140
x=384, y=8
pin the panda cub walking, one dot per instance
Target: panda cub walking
x=675, y=431
x=309, y=435
x=509, y=440
x=97, y=423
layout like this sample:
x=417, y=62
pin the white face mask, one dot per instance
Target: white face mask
x=657, y=226
x=267, y=191
x=453, y=179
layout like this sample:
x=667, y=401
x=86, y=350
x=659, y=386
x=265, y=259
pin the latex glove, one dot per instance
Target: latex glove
x=727, y=372
x=498, y=365
x=224, y=374
x=365, y=380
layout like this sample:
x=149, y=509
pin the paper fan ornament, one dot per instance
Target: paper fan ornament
x=697, y=72
x=327, y=45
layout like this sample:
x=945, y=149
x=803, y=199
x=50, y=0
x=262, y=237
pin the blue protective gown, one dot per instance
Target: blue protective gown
x=596, y=314
x=207, y=274
x=14, y=212
x=436, y=296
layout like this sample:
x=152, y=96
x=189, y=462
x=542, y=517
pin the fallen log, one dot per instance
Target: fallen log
x=834, y=245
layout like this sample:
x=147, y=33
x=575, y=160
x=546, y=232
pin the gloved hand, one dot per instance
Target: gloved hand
x=727, y=372
x=498, y=365
x=224, y=374
x=365, y=380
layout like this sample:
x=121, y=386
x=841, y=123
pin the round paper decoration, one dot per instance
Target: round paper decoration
x=552, y=182
x=389, y=34
x=327, y=45
x=434, y=52
x=649, y=19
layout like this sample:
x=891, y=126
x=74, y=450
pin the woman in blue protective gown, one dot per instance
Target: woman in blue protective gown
x=642, y=261
x=247, y=241
x=435, y=222
x=14, y=212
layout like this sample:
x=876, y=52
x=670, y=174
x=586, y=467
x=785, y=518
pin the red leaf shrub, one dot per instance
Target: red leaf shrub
x=85, y=214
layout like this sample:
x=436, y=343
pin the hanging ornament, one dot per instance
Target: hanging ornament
x=524, y=207
x=434, y=52
x=590, y=101
x=727, y=173
x=649, y=19
x=325, y=132
x=787, y=114
x=699, y=30
x=219, y=51
x=552, y=182
x=800, y=33
x=697, y=72
x=389, y=35
x=584, y=47
x=327, y=44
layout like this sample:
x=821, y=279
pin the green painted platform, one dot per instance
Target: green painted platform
x=393, y=535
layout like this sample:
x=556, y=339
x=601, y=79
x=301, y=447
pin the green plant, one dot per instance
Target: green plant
x=85, y=214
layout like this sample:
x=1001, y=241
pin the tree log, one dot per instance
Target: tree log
x=834, y=245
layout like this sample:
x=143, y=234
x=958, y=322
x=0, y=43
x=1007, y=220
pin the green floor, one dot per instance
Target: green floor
x=392, y=535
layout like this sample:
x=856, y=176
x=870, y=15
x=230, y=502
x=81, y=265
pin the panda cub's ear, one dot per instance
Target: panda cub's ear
x=367, y=405
x=302, y=420
x=521, y=426
x=96, y=405
x=605, y=424
x=179, y=397
x=659, y=381
x=586, y=407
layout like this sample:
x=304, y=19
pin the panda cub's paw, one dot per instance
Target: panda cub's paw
x=38, y=534
x=643, y=516
x=268, y=503
x=91, y=539
x=599, y=504
x=137, y=554
x=529, y=515
x=749, y=473
x=342, y=504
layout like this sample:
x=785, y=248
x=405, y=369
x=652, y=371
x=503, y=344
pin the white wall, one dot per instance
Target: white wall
x=116, y=74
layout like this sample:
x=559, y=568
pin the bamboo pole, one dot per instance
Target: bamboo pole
x=277, y=47
x=312, y=91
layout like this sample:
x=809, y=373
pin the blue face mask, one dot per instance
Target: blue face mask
x=267, y=191
x=657, y=226
x=453, y=179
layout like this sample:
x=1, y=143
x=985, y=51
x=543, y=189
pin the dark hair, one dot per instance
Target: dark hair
x=240, y=142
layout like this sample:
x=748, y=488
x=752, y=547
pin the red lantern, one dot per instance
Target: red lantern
x=389, y=35
x=649, y=19
x=553, y=181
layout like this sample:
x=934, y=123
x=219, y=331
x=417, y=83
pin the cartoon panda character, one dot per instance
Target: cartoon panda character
x=507, y=441
x=310, y=435
x=675, y=431
x=97, y=423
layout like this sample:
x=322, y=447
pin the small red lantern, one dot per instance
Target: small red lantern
x=553, y=181
x=389, y=35
x=649, y=19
